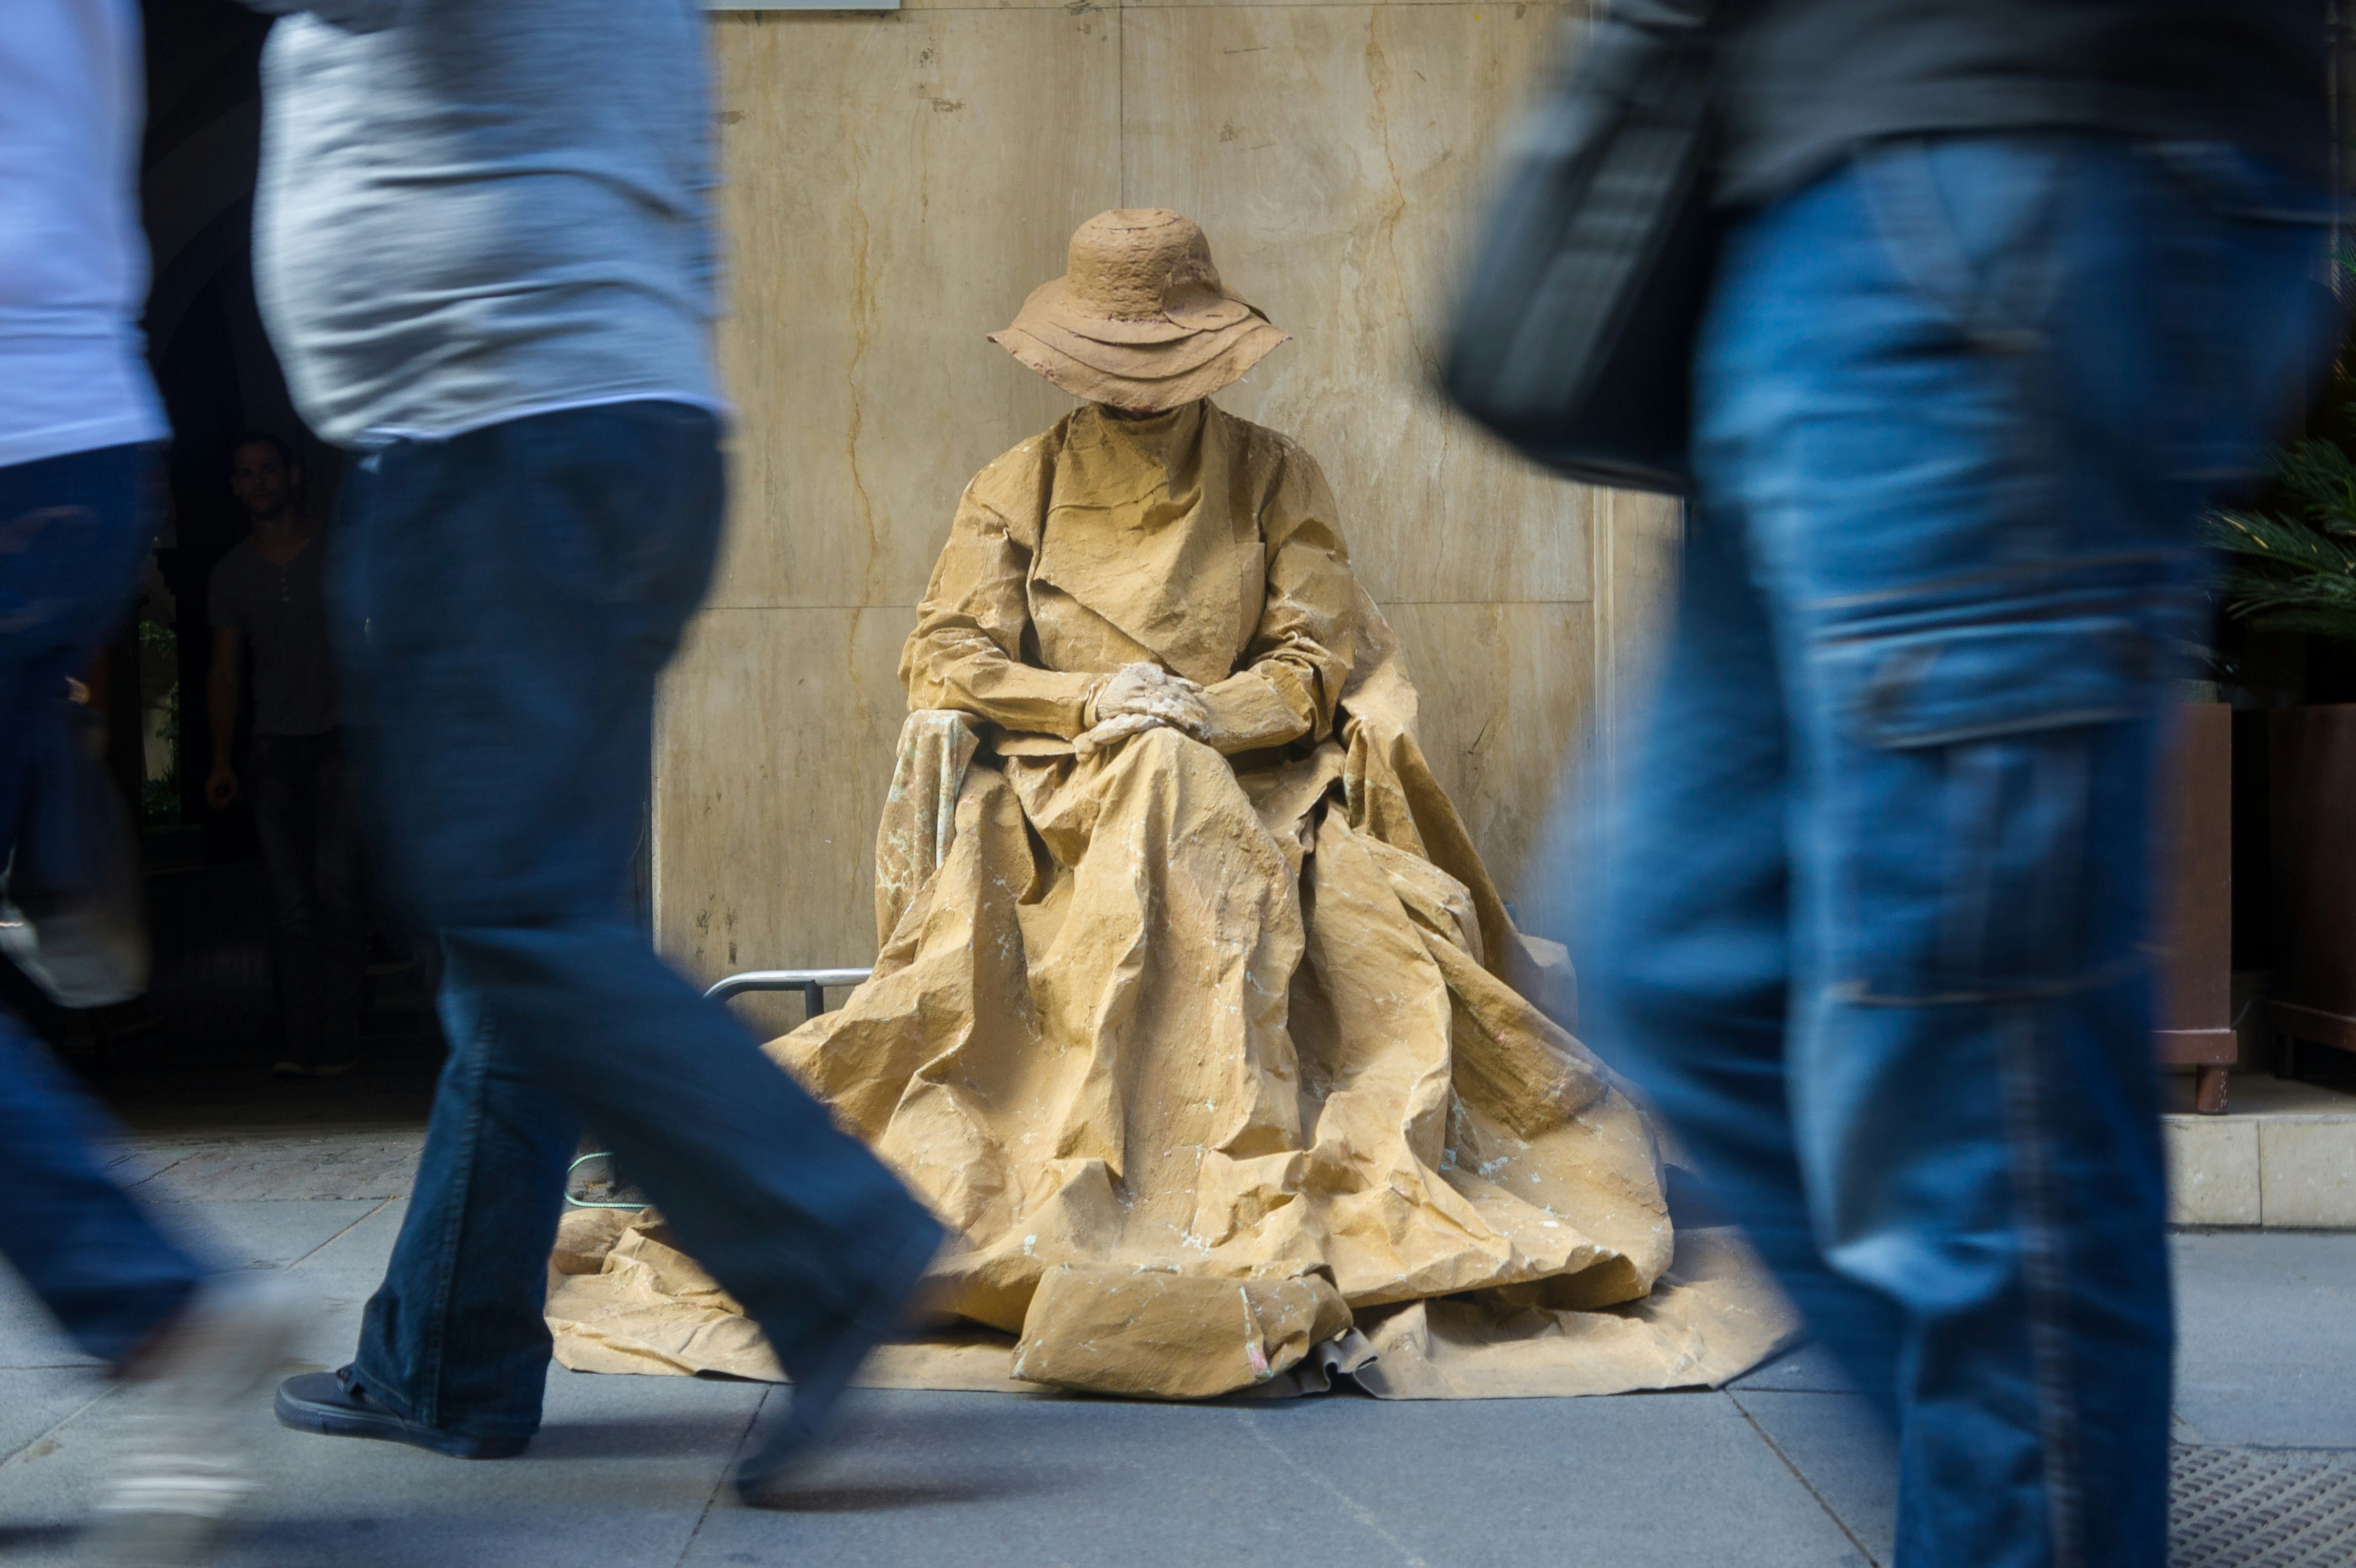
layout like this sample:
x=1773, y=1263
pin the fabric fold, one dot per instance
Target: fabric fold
x=1209, y=1060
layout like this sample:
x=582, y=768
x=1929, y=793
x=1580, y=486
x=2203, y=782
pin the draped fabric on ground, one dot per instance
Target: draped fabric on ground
x=1214, y=1051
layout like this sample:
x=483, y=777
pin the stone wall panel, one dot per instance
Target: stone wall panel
x=896, y=183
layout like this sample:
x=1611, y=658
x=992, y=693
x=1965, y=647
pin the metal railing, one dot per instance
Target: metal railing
x=811, y=982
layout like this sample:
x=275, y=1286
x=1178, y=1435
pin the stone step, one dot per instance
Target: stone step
x=2283, y=1156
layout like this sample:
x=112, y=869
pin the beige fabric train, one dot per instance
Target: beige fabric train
x=1217, y=1052
x=1140, y=319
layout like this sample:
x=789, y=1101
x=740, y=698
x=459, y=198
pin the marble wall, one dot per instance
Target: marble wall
x=897, y=182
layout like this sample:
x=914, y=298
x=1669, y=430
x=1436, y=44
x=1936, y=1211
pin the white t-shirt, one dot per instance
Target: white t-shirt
x=472, y=211
x=73, y=263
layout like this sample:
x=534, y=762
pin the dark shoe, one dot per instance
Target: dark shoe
x=822, y=1371
x=323, y=1404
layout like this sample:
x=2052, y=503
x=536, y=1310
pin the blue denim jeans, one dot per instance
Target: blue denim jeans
x=1871, y=937
x=301, y=790
x=72, y=530
x=502, y=604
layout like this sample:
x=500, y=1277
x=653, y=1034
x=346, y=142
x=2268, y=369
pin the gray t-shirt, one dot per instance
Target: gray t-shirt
x=472, y=211
x=283, y=615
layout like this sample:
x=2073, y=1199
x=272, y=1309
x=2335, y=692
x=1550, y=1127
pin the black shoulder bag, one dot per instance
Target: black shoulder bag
x=1574, y=338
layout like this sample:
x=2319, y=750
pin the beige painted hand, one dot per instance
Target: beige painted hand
x=1118, y=729
x=1139, y=697
x=1147, y=691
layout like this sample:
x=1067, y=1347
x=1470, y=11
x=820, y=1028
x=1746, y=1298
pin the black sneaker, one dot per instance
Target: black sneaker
x=325, y=1403
x=822, y=1371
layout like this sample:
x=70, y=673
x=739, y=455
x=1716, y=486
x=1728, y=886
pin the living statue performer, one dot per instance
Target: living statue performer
x=1196, y=1014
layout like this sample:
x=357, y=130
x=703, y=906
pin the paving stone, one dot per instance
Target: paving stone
x=339, y=1278
x=355, y=1257
x=2266, y=1337
x=260, y=1233
x=627, y=1466
x=32, y=1400
x=984, y=1480
x=1806, y=1367
x=1840, y=1447
x=623, y=1472
x=130, y=1164
x=234, y=1235
x=286, y=1168
x=2324, y=1260
x=27, y=1336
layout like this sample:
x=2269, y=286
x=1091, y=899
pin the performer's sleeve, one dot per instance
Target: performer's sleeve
x=967, y=650
x=1302, y=652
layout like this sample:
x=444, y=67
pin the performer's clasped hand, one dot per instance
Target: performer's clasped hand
x=1139, y=697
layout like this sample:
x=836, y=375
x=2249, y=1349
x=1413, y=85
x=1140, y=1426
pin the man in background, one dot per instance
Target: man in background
x=267, y=601
x=485, y=254
x=79, y=427
x=2011, y=291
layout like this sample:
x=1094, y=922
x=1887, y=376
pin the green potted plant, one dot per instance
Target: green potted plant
x=2291, y=598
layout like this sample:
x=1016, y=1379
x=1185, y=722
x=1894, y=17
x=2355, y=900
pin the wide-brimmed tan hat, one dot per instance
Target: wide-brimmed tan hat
x=1139, y=319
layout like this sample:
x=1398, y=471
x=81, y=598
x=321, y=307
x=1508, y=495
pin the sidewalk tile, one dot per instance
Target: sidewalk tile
x=260, y=1234
x=1806, y=1367
x=2266, y=1337
x=1838, y=1446
x=625, y=1468
x=33, y=1400
x=992, y=1481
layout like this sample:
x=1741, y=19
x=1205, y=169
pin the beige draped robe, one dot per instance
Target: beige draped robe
x=1207, y=1049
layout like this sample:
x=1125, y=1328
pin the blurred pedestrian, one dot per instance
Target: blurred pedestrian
x=485, y=257
x=2010, y=292
x=268, y=609
x=79, y=424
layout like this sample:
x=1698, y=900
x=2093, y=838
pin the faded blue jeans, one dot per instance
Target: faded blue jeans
x=72, y=530
x=502, y=604
x=1871, y=932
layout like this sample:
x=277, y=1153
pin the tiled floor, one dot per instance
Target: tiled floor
x=1782, y=1468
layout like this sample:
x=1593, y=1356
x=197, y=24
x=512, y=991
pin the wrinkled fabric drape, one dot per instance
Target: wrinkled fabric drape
x=1208, y=1048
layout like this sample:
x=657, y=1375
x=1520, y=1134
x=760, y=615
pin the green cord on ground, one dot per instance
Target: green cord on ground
x=583, y=1202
